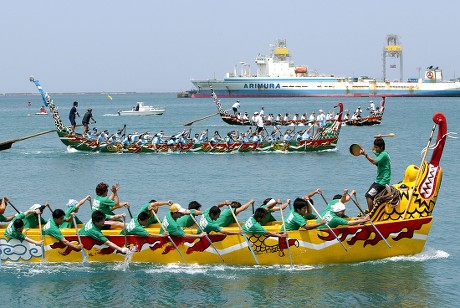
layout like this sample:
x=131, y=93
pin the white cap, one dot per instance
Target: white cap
x=271, y=202
x=321, y=110
x=72, y=202
x=338, y=207
x=35, y=206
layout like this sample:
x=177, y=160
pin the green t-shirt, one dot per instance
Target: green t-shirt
x=294, y=221
x=253, y=227
x=269, y=216
x=135, y=228
x=69, y=224
x=187, y=221
x=383, y=168
x=91, y=230
x=50, y=228
x=225, y=218
x=31, y=221
x=332, y=219
x=207, y=224
x=309, y=216
x=172, y=226
x=145, y=208
x=10, y=232
x=105, y=205
x=2, y=218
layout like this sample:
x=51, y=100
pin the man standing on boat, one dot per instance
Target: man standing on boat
x=235, y=107
x=72, y=115
x=383, y=163
x=86, y=118
x=259, y=121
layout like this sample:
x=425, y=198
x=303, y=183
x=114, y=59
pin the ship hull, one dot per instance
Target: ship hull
x=321, y=87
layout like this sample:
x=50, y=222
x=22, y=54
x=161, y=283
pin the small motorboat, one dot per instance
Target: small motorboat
x=142, y=109
x=42, y=111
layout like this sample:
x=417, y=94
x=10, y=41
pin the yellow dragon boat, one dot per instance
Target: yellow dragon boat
x=401, y=224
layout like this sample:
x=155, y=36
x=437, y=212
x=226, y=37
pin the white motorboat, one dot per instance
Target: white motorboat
x=142, y=109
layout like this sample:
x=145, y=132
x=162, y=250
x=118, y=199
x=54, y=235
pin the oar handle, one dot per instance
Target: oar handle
x=41, y=236
x=244, y=234
x=330, y=229
x=356, y=202
x=285, y=231
x=207, y=237
x=169, y=237
x=9, y=202
x=83, y=253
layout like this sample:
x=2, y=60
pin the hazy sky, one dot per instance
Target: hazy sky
x=158, y=46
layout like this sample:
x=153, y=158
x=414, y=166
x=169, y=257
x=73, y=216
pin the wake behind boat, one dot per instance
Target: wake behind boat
x=142, y=109
x=320, y=139
x=402, y=218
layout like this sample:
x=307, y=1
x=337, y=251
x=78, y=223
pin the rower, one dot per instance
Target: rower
x=52, y=228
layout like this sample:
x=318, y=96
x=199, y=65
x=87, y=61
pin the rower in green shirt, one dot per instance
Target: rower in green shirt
x=226, y=217
x=72, y=207
x=31, y=220
x=253, y=226
x=52, y=228
x=16, y=226
x=187, y=221
x=269, y=205
x=152, y=205
x=296, y=218
x=171, y=225
x=137, y=227
x=93, y=228
x=208, y=222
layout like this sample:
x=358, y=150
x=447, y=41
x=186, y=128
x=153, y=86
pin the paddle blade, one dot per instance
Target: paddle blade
x=355, y=149
x=5, y=145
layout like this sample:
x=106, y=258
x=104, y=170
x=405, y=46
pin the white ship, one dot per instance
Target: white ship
x=277, y=76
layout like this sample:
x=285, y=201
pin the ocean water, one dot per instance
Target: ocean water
x=41, y=169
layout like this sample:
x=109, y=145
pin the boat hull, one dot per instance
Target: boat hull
x=320, y=87
x=79, y=143
x=306, y=247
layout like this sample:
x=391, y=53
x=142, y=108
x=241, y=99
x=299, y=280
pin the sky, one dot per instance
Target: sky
x=159, y=46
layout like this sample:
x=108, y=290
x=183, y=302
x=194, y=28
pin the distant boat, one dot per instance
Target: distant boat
x=142, y=109
x=42, y=111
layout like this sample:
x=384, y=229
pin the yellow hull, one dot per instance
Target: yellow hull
x=362, y=243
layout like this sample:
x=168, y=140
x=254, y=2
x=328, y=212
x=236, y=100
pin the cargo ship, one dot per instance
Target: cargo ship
x=277, y=76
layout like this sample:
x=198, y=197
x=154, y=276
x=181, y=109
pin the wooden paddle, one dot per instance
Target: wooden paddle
x=83, y=253
x=330, y=229
x=244, y=235
x=169, y=237
x=208, y=116
x=356, y=202
x=287, y=237
x=385, y=135
x=207, y=237
x=41, y=236
x=13, y=206
x=7, y=144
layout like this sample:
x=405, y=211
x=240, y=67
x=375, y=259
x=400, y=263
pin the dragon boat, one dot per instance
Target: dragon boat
x=326, y=139
x=374, y=118
x=401, y=221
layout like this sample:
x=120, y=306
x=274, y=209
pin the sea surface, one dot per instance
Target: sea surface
x=41, y=169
